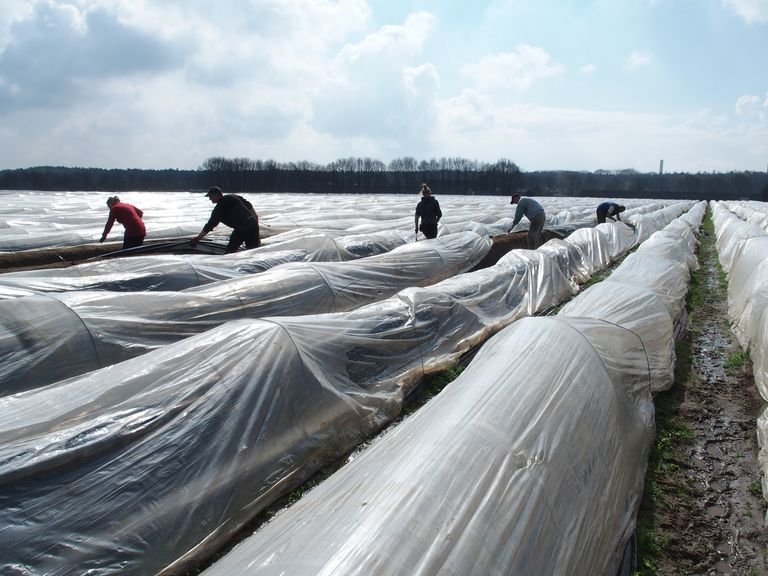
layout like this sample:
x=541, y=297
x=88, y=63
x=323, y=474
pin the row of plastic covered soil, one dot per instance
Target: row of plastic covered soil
x=140, y=429
x=742, y=243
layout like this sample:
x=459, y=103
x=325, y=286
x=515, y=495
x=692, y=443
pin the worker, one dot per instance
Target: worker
x=235, y=212
x=609, y=210
x=429, y=210
x=532, y=210
x=130, y=217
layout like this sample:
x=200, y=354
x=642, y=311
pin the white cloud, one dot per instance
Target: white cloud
x=751, y=10
x=511, y=71
x=392, y=43
x=750, y=107
x=638, y=58
x=377, y=89
x=533, y=135
x=746, y=103
x=588, y=69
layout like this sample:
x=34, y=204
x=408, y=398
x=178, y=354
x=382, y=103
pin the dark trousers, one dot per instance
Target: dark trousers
x=250, y=237
x=601, y=216
x=429, y=230
x=132, y=241
x=534, y=231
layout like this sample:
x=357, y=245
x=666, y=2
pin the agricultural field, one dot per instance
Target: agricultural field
x=159, y=405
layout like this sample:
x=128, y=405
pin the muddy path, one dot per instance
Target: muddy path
x=703, y=511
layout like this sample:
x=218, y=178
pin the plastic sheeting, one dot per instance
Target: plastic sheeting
x=151, y=463
x=178, y=272
x=645, y=294
x=35, y=220
x=518, y=467
x=42, y=338
x=743, y=250
x=276, y=398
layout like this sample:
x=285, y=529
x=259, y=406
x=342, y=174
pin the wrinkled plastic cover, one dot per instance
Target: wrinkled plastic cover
x=536, y=443
x=667, y=278
x=152, y=463
x=619, y=237
x=743, y=250
x=641, y=311
x=178, y=272
x=276, y=397
x=569, y=258
x=34, y=332
x=745, y=256
x=34, y=220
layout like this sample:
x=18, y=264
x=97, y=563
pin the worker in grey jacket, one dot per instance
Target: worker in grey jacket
x=532, y=210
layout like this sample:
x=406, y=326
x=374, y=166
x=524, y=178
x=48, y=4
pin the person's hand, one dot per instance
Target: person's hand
x=194, y=241
x=102, y=239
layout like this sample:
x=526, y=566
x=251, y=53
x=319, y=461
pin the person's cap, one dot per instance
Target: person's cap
x=213, y=190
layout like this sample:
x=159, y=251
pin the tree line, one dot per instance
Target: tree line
x=401, y=175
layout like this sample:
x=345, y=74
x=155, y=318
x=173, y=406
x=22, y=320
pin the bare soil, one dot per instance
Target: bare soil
x=703, y=503
x=504, y=243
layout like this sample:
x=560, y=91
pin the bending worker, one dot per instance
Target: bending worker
x=237, y=213
x=429, y=210
x=130, y=217
x=532, y=210
x=609, y=210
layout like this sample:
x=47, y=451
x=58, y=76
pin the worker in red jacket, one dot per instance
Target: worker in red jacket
x=130, y=217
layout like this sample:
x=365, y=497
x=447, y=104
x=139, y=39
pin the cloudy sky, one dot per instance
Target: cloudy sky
x=548, y=84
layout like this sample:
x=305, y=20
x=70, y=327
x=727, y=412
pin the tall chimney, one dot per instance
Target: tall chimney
x=661, y=167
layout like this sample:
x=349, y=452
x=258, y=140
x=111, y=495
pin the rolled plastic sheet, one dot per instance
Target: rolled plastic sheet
x=518, y=467
x=178, y=272
x=125, y=325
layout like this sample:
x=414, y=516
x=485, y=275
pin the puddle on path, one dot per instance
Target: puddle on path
x=716, y=511
x=722, y=567
x=714, y=450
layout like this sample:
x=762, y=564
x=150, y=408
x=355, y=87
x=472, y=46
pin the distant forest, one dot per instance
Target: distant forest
x=402, y=175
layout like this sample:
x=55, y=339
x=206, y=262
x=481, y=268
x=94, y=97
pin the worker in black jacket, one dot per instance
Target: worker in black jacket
x=237, y=213
x=429, y=211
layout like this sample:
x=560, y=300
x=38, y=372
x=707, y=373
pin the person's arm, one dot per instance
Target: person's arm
x=108, y=227
x=416, y=224
x=210, y=225
x=139, y=212
x=438, y=212
x=197, y=238
x=518, y=215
